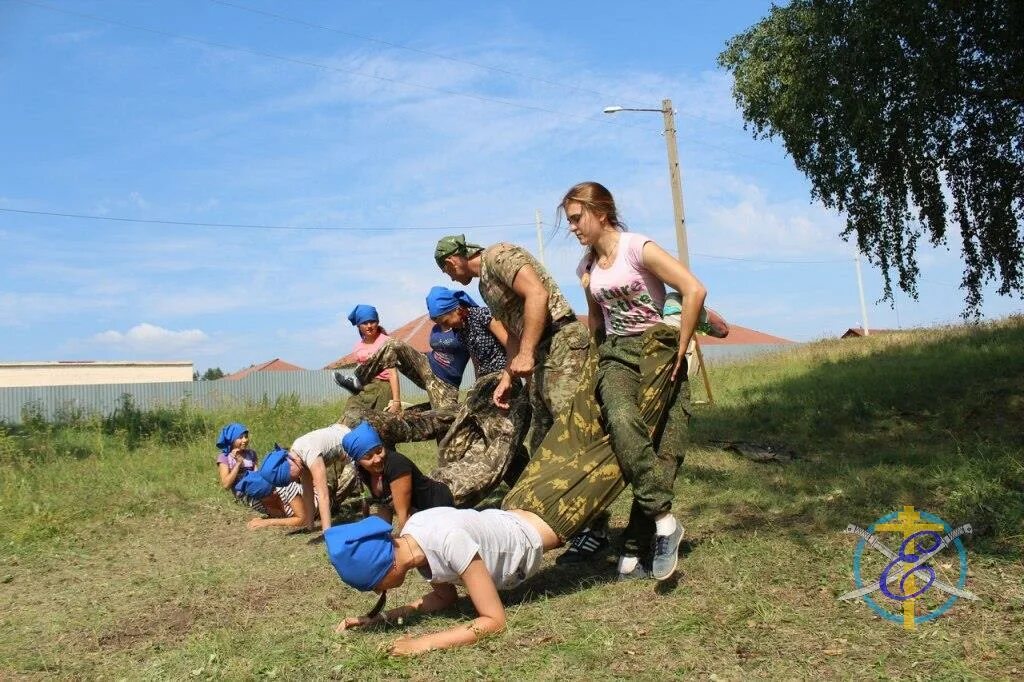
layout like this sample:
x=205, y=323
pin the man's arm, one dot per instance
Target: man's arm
x=528, y=287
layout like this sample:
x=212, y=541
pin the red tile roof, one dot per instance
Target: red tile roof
x=417, y=334
x=275, y=365
x=743, y=336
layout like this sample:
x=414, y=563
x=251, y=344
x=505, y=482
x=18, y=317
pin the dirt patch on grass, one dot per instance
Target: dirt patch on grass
x=165, y=624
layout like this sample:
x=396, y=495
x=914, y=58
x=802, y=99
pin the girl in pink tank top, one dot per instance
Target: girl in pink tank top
x=624, y=277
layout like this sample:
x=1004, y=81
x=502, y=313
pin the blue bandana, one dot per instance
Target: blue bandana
x=362, y=552
x=254, y=485
x=363, y=313
x=441, y=300
x=358, y=442
x=228, y=435
x=276, y=468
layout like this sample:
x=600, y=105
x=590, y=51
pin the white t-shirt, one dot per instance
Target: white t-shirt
x=511, y=549
x=324, y=443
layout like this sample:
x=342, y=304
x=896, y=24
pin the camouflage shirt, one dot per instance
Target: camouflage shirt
x=498, y=267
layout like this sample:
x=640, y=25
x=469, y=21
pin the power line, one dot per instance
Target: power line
x=261, y=227
x=737, y=258
x=761, y=260
x=353, y=72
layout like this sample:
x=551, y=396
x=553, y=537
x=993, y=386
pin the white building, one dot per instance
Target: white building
x=81, y=372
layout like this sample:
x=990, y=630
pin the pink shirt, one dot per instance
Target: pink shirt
x=363, y=351
x=630, y=296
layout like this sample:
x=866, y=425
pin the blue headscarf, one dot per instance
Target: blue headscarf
x=441, y=300
x=362, y=552
x=358, y=442
x=253, y=485
x=228, y=435
x=363, y=313
x=276, y=468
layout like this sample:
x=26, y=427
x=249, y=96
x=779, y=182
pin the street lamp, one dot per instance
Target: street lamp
x=675, y=177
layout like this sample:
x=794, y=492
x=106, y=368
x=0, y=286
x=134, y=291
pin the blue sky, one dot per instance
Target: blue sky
x=489, y=111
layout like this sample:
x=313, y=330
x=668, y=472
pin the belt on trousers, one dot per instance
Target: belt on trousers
x=557, y=326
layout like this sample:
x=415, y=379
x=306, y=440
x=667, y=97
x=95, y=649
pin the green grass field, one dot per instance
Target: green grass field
x=120, y=558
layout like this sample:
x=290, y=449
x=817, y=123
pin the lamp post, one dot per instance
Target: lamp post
x=674, y=175
x=676, y=181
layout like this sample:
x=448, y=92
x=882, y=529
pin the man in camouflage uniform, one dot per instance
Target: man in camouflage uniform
x=547, y=344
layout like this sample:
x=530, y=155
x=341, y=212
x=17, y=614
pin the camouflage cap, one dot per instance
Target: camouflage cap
x=453, y=244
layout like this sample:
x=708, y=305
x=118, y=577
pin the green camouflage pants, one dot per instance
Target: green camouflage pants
x=374, y=397
x=648, y=465
x=481, y=443
x=342, y=482
x=407, y=360
x=575, y=473
x=560, y=359
x=414, y=424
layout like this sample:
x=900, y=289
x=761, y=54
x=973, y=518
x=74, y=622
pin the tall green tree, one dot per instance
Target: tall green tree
x=907, y=116
x=213, y=373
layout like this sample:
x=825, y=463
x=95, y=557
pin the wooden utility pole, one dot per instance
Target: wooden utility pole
x=860, y=289
x=676, y=181
x=540, y=236
x=679, y=213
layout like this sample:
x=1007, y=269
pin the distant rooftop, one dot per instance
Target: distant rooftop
x=856, y=332
x=275, y=365
x=417, y=334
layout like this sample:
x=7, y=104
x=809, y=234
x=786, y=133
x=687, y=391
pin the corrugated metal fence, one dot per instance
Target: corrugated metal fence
x=50, y=402
x=310, y=386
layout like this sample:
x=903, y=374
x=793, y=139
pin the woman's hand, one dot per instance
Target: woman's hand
x=394, y=407
x=680, y=363
x=256, y=523
x=409, y=646
x=353, y=622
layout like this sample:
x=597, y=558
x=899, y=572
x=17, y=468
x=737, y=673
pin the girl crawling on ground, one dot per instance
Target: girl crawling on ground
x=396, y=485
x=572, y=476
x=271, y=491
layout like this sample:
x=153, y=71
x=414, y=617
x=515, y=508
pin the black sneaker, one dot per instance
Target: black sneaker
x=665, y=553
x=350, y=384
x=583, y=546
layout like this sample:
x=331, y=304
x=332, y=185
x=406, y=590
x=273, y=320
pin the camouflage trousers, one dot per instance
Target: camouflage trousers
x=342, y=482
x=373, y=398
x=414, y=424
x=575, y=474
x=648, y=465
x=407, y=360
x=560, y=359
x=482, y=441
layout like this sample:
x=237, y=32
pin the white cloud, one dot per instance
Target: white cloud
x=149, y=340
